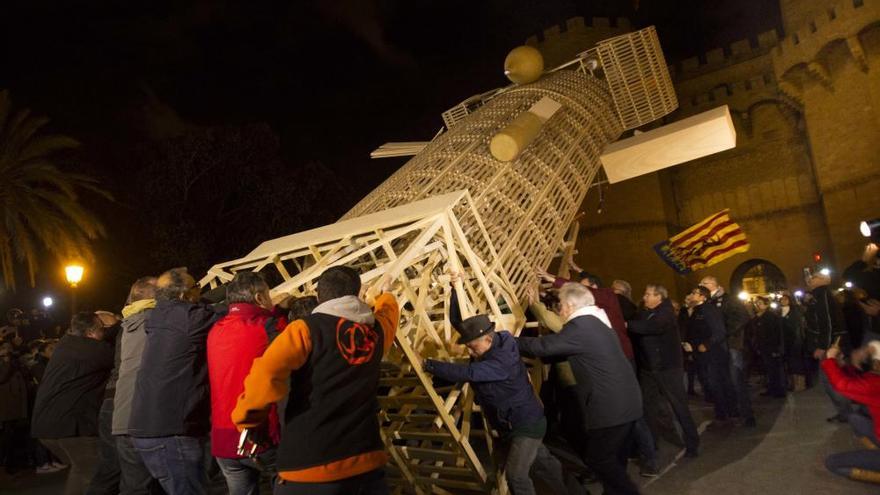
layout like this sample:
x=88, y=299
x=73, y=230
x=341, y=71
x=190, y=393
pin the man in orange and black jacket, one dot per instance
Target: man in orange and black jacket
x=330, y=442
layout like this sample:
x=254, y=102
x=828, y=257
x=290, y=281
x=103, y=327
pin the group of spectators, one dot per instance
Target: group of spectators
x=22, y=365
x=150, y=401
x=183, y=382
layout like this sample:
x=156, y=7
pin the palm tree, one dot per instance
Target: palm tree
x=39, y=208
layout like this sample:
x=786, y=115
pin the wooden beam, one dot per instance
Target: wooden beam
x=688, y=139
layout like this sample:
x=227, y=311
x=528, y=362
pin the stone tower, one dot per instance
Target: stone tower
x=804, y=171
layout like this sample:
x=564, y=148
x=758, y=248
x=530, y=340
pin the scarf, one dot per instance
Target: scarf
x=137, y=307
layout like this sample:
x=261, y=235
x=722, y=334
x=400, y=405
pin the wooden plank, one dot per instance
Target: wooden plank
x=402, y=400
x=452, y=483
x=682, y=141
x=422, y=453
x=432, y=436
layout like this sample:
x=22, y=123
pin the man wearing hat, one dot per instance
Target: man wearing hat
x=501, y=386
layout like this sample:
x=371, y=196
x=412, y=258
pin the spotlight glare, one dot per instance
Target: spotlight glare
x=773, y=305
x=865, y=229
x=48, y=302
x=743, y=296
x=825, y=271
x=848, y=284
x=798, y=293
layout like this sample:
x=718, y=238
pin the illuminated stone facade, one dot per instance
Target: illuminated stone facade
x=805, y=170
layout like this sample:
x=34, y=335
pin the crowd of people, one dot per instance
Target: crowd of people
x=185, y=383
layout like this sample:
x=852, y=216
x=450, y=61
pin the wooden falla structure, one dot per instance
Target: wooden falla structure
x=491, y=197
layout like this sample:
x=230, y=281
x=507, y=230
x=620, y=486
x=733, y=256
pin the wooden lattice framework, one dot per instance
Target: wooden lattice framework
x=528, y=203
x=426, y=429
x=454, y=208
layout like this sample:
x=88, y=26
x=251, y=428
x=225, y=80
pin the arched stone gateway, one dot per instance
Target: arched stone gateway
x=757, y=277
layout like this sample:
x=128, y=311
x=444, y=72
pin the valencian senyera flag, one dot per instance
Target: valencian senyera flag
x=708, y=242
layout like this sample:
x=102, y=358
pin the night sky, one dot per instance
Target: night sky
x=285, y=88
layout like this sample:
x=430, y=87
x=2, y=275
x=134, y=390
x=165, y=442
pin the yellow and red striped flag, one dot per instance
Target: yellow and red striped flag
x=708, y=242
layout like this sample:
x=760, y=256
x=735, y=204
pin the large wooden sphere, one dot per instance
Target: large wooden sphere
x=524, y=64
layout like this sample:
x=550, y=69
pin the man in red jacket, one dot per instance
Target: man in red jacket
x=864, y=388
x=233, y=343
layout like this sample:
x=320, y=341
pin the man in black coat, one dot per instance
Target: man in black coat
x=825, y=325
x=767, y=327
x=735, y=317
x=709, y=341
x=65, y=416
x=606, y=384
x=170, y=416
x=658, y=351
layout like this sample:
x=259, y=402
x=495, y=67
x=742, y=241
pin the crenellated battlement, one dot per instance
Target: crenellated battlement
x=739, y=95
x=843, y=20
x=597, y=25
x=721, y=57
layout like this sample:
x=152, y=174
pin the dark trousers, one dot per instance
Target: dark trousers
x=135, y=479
x=643, y=440
x=721, y=383
x=844, y=462
x=863, y=426
x=843, y=405
x=701, y=363
x=178, y=462
x=524, y=455
x=691, y=368
x=81, y=454
x=739, y=373
x=371, y=483
x=106, y=478
x=243, y=475
x=775, y=368
x=604, y=452
x=666, y=386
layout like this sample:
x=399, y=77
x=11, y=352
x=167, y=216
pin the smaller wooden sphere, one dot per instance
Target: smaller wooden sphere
x=524, y=64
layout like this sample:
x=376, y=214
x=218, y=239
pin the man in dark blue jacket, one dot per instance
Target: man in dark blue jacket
x=501, y=387
x=170, y=417
x=709, y=340
x=606, y=384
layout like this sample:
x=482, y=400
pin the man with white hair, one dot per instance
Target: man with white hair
x=864, y=387
x=606, y=384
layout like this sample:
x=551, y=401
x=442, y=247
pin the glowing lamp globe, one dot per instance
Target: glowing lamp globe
x=524, y=64
x=48, y=302
x=74, y=274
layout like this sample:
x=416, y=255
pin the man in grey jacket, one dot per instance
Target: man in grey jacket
x=135, y=478
x=606, y=384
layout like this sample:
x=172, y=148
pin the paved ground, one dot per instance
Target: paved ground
x=782, y=456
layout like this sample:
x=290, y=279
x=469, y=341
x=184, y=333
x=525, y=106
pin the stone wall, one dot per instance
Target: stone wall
x=804, y=170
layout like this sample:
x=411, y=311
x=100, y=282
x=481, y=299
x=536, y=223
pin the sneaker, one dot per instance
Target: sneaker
x=649, y=470
x=59, y=466
x=46, y=469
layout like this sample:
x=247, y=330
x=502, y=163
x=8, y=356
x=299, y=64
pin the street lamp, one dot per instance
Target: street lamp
x=871, y=229
x=74, y=274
